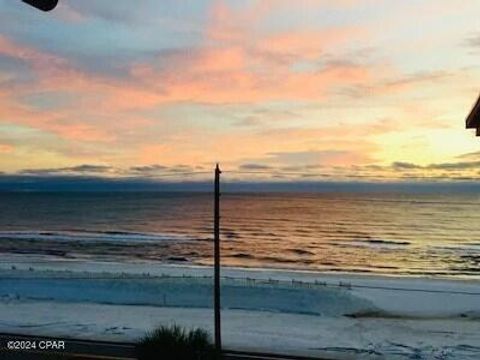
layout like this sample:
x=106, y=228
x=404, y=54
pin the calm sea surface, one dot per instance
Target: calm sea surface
x=417, y=234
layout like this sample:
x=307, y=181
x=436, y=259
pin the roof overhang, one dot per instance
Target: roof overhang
x=44, y=5
x=473, y=119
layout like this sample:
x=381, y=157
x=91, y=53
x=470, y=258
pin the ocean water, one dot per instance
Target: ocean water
x=384, y=233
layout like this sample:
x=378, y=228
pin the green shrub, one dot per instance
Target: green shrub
x=176, y=343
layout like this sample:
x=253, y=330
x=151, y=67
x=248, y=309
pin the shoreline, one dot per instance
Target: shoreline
x=53, y=262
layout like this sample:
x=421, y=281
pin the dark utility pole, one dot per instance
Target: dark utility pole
x=216, y=231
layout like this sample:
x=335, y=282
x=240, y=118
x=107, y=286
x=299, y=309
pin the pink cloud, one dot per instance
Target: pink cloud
x=42, y=63
x=251, y=68
x=237, y=63
x=240, y=72
x=240, y=64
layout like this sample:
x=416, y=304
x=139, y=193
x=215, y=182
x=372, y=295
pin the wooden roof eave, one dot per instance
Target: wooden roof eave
x=473, y=119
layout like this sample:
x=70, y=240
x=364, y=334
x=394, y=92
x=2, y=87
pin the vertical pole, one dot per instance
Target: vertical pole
x=218, y=337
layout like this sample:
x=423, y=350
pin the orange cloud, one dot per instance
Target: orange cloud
x=349, y=144
x=81, y=132
x=306, y=45
x=6, y=148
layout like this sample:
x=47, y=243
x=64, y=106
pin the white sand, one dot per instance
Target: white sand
x=389, y=324
x=248, y=330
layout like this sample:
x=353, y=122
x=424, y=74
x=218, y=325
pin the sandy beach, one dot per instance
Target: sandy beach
x=343, y=316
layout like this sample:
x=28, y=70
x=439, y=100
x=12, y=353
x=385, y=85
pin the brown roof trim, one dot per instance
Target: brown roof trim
x=473, y=119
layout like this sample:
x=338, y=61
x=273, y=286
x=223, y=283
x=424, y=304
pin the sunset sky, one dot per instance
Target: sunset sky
x=330, y=89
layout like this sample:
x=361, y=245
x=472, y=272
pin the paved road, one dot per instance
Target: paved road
x=94, y=350
x=71, y=349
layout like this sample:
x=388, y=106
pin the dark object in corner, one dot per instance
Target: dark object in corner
x=473, y=119
x=44, y=5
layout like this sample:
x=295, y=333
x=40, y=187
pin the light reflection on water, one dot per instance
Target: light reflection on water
x=382, y=233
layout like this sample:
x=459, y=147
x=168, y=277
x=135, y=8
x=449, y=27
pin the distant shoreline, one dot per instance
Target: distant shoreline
x=55, y=262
